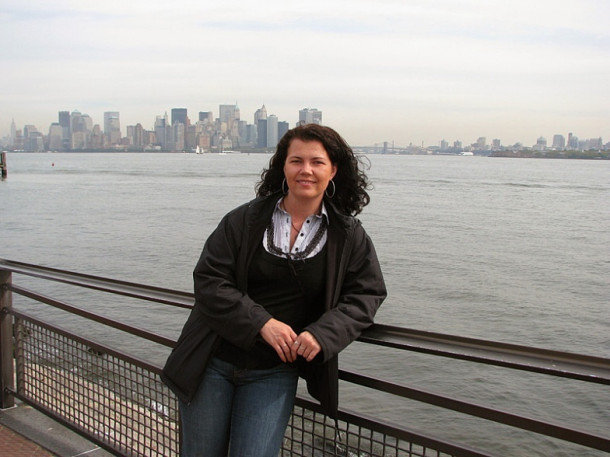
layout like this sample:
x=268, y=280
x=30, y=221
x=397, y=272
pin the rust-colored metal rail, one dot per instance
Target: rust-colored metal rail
x=543, y=361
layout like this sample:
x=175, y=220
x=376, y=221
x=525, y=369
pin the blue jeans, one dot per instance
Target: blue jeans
x=238, y=412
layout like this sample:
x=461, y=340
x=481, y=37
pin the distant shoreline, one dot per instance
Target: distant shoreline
x=578, y=155
x=583, y=155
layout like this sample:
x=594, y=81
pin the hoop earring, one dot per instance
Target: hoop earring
x=334, y=190
x=284, y=184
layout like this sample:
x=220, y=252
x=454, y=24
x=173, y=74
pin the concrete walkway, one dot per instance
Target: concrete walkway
x=25, y=432
x=15, y=445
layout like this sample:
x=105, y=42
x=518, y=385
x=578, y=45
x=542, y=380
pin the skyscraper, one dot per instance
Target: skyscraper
x=64, y=122
x=282, y=128
x=310, y=116
x=259, y=114
x=559, y=142
x=272, y=132
x=261, y=133
x=206, y=116
x=163, y=132
x=572, y=142
x=228, y=115
x=13, y=132
x=56, y=142
x=112, y=127
x=179, y=116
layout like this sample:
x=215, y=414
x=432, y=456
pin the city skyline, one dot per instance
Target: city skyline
x=116, y=132
x=408, y=72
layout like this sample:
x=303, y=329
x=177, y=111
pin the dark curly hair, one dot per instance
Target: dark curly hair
x=351, y=182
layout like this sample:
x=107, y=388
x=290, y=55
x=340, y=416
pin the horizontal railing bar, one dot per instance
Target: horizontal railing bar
x=94, y=345
x=397, y=431
x=574, y=366
x=525, y=423
x=150, y=293
x=556, y=363
x=144, y=334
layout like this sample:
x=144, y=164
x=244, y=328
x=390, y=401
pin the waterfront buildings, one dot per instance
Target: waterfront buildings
x=76, y=131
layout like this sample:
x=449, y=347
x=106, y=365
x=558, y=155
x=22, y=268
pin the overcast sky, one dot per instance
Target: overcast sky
x=380, y=70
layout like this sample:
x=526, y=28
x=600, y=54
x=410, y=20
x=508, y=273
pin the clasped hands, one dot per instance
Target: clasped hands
x=287, y=343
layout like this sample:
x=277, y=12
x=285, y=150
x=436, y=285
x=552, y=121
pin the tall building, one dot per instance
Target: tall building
x=229, y=118
x=282, y=128
x=112, y=127
x=261, y=133
x=572, y=142
x=29, y=130
x=260, y=114
x=163, y=132
x=540, y=144
x=96, y=139
x=559, y=142
x=77, y=124
x=179, y=116
x=179, y=133
x=13, y=133
x=272, y=131
x=310, y=116
x=206, y=116
x=139, y=139
x=64, y=122
x=56, y=138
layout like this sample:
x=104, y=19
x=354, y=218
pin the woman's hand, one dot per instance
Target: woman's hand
x=306, y=346
x=281, y=338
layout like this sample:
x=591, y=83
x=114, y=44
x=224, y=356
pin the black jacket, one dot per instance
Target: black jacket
x=354, y=290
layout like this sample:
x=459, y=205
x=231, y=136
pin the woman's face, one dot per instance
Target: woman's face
x=308, y=169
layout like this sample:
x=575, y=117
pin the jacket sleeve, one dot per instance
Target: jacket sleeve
x=227, y=310
x=361, y=293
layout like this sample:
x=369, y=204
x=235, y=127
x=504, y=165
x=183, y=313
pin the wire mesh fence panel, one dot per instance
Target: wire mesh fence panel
x=312, y=434
x=125, y=407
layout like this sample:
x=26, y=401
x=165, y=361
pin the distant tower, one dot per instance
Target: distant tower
x=272, y=131
x=559, y=142
x=112, y=127
x=55, y=137
x=13, y=132
x=64, y=122
x=310, y=116
x=163, y=132
x=260, y=113
x=261, y=133
x=229, y=115
x=179, y=116
x=282, y=128
x=206, y=116
x=540, y=144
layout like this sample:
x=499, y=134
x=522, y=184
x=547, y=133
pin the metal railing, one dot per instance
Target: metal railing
x=118, y=401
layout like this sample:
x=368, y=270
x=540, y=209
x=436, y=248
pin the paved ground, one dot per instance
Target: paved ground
x=25, y=432
x=15, y=445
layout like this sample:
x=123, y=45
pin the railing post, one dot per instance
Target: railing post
x=7, y=370
x=3, y=165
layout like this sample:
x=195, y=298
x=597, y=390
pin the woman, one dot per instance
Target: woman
x=283, y=284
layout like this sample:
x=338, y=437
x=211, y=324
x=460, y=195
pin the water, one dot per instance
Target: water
x=514, y=250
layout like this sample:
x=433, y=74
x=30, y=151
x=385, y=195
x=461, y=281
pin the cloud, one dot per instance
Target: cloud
x=383, y=62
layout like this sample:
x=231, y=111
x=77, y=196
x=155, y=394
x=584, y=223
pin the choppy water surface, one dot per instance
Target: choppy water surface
x=515, y=250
